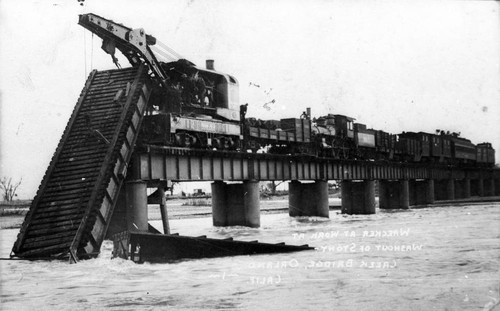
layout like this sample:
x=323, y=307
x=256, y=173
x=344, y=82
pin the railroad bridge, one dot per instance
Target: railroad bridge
x=400, y=185
x=96, y=183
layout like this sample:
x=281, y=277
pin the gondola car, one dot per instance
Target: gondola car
x=291, y=135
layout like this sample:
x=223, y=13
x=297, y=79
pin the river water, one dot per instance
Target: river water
x=439, y=258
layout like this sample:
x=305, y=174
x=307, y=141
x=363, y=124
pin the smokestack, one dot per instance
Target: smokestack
x=308, y=111
x=210, y=64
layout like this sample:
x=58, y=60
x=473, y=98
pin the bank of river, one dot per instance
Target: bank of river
x=13, y=216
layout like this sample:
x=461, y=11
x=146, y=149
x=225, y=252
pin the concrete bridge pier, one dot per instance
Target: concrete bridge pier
x=430, y=191
x=489, y=187
x=137, y=205
x=480, y=187
x=462, y=188
x=477, y=187
x=131, y=209
x=236, y=204
x=445, y=189
x=450, y=189
x=421, y=192
x=415, y=192
x=467, y=191
x=394, y=194
x=358, y=197
x=459, y=189
x=308, y=199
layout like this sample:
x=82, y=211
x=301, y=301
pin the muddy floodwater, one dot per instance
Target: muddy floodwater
x=439, y=258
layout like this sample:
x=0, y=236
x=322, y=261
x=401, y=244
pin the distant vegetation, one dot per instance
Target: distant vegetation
x=9, y=188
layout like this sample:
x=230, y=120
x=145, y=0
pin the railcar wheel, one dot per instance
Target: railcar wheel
x=253, y=145
x=184, y=139
x=225, y=143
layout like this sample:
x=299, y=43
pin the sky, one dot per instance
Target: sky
x=393, y=65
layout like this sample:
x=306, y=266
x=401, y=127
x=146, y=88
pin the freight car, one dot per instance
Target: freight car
x=462, y=150
x=414, y=147
x=440, y=147
x=385, y=144
x=485, y=155
x=291, y=135
x=194, y=107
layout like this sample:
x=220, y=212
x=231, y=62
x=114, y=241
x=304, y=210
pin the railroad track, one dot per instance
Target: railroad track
x=73, y=206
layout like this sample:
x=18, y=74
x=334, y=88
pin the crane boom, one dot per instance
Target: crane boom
x=133, y=43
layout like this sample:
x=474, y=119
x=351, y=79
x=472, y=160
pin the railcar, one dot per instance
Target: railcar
x=286, y=136
x=463, y=151
x=415, y=146
x=441, y=148
x=364, y=142
x=192, y=131
x=485, y=154
x=384, y=145
x=406, y=149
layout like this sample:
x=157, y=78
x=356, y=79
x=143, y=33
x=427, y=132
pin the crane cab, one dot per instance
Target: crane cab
x=198, y=89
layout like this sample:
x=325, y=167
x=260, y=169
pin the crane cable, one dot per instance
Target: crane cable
x=161, y=53
x=169, y=49
x=85, y=53
x=92, y=53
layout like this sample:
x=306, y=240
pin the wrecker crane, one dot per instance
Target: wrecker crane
x=194, y=107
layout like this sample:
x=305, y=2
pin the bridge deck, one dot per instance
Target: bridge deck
x=156, y=163
x=74, y=203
